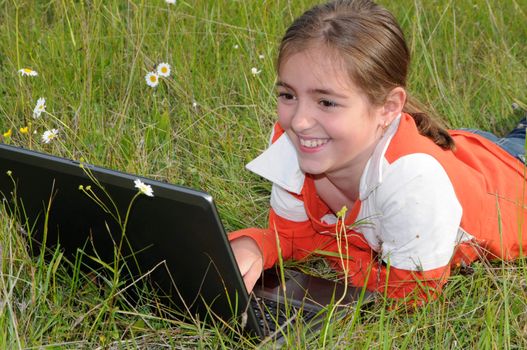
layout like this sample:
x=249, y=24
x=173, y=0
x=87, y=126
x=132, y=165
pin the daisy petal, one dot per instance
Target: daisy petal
x=39, y=107
x=27, y=72
x=152, y=79
x=144, y=188
x=163, y=69
x=49, y=135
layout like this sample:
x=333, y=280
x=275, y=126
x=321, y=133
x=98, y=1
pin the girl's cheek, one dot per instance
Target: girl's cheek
x=284, y=115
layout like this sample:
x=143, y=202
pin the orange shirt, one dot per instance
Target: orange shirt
x=421, y=211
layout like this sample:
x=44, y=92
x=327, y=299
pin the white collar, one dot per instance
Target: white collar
x=279, y=164
x=373, y=172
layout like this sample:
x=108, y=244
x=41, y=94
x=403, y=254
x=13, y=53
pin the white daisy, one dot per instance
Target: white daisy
x=172, y=2
x=49, y=135
x=255, y=71
x=39, y=108
x=27, y=72
x=152, y=79
x=163, y=69
x=144, y=188
x=261, y=57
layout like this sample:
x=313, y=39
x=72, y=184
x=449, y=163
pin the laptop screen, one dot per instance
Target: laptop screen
x=175, y=237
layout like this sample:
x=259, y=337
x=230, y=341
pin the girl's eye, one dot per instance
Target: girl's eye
x=327, y=103
x=285, y=96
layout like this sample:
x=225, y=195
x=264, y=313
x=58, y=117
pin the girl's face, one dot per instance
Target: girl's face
x=329, y=120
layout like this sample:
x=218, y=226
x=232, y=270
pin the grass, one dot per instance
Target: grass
x=202, y=124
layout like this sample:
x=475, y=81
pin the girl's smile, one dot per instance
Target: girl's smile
x=311, y=145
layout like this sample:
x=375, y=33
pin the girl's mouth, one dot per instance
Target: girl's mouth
x=312, y=143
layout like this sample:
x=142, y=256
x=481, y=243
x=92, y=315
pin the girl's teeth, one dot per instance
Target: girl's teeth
x=312, y=143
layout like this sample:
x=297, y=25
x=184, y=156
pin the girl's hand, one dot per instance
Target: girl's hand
x=249, y=259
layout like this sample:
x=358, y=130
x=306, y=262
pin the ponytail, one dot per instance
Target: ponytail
x=429, y=125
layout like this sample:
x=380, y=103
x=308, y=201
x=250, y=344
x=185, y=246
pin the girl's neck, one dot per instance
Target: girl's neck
x=348, y=183
x=339, y=189
x=347, y=179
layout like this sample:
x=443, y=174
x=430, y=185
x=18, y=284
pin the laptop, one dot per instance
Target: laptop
x=175, y=240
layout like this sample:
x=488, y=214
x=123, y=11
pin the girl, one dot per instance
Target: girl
x=421, y=199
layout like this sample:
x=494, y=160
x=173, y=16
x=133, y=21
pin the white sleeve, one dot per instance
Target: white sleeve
x=420, y=214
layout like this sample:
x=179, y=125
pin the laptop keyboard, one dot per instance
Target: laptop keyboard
x=273, y=315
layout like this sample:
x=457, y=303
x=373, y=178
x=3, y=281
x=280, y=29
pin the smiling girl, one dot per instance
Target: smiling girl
x=421, y=199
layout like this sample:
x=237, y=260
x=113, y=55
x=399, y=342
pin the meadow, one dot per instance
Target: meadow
x=200, y=125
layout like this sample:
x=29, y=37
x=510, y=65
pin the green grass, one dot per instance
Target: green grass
x=469, y=65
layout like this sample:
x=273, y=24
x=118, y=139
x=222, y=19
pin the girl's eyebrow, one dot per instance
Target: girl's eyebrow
x=280, y=83
x=313, y=91
x=328, y=92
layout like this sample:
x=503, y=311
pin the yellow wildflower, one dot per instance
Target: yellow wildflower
x=342, y=212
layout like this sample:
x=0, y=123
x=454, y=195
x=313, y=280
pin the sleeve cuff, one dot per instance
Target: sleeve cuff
x=265, y=240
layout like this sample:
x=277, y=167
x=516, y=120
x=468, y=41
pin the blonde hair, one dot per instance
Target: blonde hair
x=370, y=43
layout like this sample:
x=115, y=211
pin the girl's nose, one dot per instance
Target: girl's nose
x=302, y=118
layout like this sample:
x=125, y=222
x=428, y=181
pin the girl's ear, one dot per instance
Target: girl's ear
x=394, y=104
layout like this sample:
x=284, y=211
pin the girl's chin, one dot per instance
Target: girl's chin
x=313, y=169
